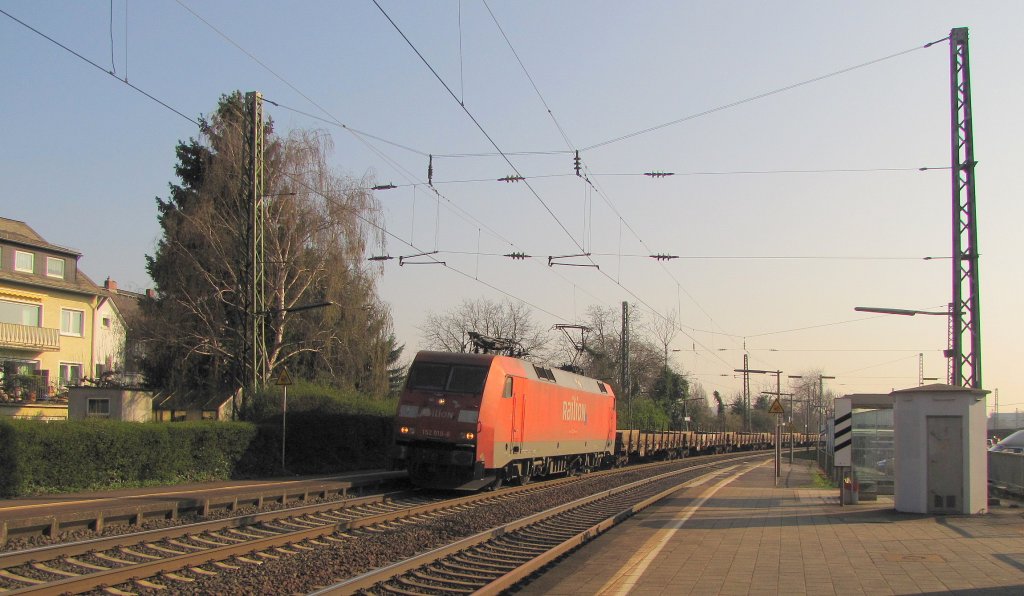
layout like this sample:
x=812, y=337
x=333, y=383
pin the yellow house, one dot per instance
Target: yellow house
x=48, y=316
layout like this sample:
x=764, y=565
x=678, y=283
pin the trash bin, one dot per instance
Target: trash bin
x=851, y=490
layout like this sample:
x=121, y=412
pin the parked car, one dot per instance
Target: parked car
x=1013, y=443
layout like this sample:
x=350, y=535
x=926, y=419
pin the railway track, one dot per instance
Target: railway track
x=496, y=560
x=208, y=548
x=298, y=549
x=85, y=565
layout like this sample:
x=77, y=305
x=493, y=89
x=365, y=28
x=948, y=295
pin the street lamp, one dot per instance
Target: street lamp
x=778, y=431
x=899, y=311
x=953, y=349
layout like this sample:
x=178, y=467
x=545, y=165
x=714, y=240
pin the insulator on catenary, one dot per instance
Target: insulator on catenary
x=511, y=179
x=380, y=258
x=517, y=256
x=659, y=174
x=660, y=257
x=384, y=187
x=576, y=163
x=430, y=171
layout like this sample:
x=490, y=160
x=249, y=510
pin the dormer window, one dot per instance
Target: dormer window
x=54, y=267
x=24, y=262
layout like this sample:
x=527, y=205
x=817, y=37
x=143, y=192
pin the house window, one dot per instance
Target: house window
x=97, y=407
x=54, y=267
x=71, y=322
x=19, y=313
x=106, y=322
x=70, y=374
x=24, y=262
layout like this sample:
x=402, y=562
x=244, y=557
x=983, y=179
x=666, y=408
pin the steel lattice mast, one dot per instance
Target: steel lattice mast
x=256, y=335
x=966, y=307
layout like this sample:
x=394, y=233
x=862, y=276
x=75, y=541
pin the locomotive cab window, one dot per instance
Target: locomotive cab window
x=428, y=376
x=433, y=376
x=507, y=392
x=467, y=379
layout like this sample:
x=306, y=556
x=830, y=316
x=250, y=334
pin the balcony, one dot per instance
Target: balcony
x=24, y=337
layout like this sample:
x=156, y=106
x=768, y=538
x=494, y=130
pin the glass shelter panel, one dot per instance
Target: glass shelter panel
x=873, y=454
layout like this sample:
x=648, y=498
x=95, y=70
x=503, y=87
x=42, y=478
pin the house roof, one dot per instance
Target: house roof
x=19, y=232
x=189, y=401
x=81, y=285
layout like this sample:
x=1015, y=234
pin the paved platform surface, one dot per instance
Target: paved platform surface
x=743, y=535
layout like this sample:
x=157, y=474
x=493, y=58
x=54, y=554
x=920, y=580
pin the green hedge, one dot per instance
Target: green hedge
x=38, y=457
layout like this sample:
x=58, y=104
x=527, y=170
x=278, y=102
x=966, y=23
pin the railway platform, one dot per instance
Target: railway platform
x=737, y=533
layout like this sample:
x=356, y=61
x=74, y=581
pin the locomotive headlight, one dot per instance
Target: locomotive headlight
x=405, y=430
x=441, y=401
x=469, y=436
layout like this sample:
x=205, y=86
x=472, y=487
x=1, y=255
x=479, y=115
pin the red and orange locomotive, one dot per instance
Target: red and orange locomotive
x=468, y=421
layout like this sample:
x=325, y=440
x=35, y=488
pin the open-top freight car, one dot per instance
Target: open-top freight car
x=469, y=421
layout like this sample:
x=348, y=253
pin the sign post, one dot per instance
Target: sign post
x=777, y=409
x=283, y=381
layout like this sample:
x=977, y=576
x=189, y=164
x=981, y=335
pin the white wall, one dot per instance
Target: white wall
x=911, y=408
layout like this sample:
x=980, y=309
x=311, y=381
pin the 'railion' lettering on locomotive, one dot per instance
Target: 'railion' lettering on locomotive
x=575, y=411
x=437, y=413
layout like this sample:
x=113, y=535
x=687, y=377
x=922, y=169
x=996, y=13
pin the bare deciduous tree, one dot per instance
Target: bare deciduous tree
x=512, y=320
x=316, y=228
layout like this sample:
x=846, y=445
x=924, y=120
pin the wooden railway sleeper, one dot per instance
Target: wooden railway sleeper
x=47, y=569
x=545, y=535
x=495, y=554
x=85, y=564
x=162, y=549
x=508, y=557
x=520, y=543
x=435, y=575
x=206, y=541
x=392, y=589
x=412, y=582
x=462, y=572
x=466, y=559
x=134, y=553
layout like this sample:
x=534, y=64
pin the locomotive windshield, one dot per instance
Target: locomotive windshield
x=433, y=376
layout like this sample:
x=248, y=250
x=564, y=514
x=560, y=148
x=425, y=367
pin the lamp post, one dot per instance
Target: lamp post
x=954, y=350
x=791, y=417
x=778, y=432
x=821, y=414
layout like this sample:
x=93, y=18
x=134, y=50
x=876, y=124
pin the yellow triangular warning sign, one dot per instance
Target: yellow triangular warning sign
x=776, y=407
x=284, y=379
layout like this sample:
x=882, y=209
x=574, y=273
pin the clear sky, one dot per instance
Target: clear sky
x=825, y=174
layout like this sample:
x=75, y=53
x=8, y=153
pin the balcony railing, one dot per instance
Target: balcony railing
x=24, y=337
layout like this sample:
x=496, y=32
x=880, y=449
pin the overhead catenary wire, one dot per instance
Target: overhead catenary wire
x=758, y=96
x=360, y=135
x=123, y=81
x=475, y=122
